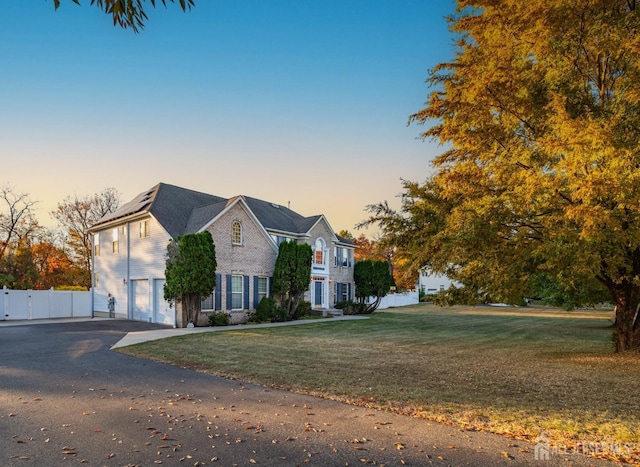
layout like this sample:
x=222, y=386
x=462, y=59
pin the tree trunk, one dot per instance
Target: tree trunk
x=293, y=306
x=626, y=297
x=373, y=306
x=191, y=307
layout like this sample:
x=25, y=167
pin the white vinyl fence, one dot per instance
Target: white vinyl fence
x=393, y=300
x=44, y=304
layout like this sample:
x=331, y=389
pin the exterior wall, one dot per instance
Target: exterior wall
x=147, y=262
x=139, y=260
x=332, y=273
x=255, y=257
x=110, y=273
x=429, y=283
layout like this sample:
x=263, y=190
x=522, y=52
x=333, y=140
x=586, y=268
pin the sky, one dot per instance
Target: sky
x=296, y=102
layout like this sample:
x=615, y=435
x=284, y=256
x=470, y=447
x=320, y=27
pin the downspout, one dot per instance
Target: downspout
x=93, y=262
x=129, y=309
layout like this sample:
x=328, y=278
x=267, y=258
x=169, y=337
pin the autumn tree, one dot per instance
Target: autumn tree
x=19, y=229
x=17, y=219
x=53, y=265
x=76, y=215
x=291, y=274
x=190, y=273
x=129, y=13
x=539, y=117
x=403, y=272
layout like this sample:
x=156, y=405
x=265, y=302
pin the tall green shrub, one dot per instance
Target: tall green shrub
x=372, y=279
x=292, y=274
x=190, y=272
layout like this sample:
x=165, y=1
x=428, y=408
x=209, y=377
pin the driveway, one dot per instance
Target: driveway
x=66, y=399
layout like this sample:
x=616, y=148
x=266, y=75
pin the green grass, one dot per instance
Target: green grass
x=516, y=371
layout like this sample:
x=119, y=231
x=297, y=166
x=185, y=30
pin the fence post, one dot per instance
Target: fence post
x=29, y=303
x=50, y=301
x=5, y=303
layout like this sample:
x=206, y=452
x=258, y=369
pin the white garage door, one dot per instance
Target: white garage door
x=162, y=313
x=140, y=292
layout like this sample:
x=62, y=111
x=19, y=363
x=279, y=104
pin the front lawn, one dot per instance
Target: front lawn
x=525, y=372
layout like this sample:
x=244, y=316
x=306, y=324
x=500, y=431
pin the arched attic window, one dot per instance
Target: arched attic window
x=236, y=233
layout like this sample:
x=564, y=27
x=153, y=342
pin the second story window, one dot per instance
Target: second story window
x=236, y=233
x=115, y=245
x=342, y=257
x=96, y=244
x=318, y=254
x=144, y=229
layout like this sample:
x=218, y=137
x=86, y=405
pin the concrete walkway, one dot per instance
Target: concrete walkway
x=145, y=336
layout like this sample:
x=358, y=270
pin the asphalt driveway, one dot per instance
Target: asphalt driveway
x=66, y=399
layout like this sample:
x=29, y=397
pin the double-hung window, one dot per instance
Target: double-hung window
x=96, y=244
x=341, y=256
x=144, y=228
x=236, y=292
x=115, y=247
x=263, y=288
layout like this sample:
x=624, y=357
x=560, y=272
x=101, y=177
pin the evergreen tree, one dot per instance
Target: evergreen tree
x=372, y=279
x=190, y=272
x=292, y=274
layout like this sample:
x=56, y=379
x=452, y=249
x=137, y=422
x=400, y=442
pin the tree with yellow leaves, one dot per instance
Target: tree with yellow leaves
x=539, y=115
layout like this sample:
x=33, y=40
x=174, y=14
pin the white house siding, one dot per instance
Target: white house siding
x=255, y=257
x=140, y=259
x=110, y=273
x=430, y=283
x=147, y=263
x=148, y=254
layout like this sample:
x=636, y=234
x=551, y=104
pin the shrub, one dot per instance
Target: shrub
x=268, y=311
x=303, y=310
x=351, y=308
x=219, y=319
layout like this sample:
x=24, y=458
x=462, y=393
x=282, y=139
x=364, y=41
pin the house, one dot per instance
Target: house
x=430, y=283
x=130, y=244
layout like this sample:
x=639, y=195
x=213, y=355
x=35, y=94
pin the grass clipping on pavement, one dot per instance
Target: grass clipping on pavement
x=530, y=373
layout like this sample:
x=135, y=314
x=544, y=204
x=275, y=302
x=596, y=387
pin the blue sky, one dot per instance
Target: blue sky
x=291, y=101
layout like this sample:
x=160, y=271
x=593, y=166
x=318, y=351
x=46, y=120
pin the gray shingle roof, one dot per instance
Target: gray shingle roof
x=182, y=211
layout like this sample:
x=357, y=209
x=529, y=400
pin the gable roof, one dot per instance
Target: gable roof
x=169, y=204
x=181, y=211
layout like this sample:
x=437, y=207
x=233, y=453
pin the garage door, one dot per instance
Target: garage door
x=162, y=313
x=140, y=292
